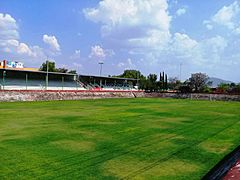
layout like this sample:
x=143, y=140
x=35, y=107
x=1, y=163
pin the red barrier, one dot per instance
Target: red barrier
x=93, y=90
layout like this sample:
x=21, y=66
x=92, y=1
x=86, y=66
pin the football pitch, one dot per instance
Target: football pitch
x=116, y=138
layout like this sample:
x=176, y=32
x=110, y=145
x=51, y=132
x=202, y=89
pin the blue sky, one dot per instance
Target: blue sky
x=148, y=35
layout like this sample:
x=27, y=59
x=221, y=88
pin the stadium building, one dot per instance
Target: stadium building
x=14, y=76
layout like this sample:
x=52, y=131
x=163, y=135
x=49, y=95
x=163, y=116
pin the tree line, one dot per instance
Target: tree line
x=149, y=83
x=198, y=82
x=230, y=88
x=50, y=66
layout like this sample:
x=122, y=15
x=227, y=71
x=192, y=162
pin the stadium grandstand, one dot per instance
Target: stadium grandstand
x=109, y=83
x=20, y=78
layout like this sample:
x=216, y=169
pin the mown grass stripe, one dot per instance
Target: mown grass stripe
x=118, y=129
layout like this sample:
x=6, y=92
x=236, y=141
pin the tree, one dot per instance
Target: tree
x=132, y=74
x=136, y=75
x=228, y=88
x=151, y=83
x=51, y=66
x=166, y=82
x=148, y=83
x=152, y=78
x=72, y=72
x=207, y=89
x=174, y=83
x=198, y=81
x=62, y=70
x=223, y=88
x=185, y=89
x=163, y=81
x=236, y=89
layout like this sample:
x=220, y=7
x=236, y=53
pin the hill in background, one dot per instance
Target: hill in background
x=217, y=81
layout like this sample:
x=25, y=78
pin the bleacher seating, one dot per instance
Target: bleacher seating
x=11, y=79
x=121, y=87
x=20, y=84
x=34, y=84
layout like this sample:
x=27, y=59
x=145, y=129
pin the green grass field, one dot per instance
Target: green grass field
x=115, y=138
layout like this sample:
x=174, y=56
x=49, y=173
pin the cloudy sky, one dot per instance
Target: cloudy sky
x=147, y=35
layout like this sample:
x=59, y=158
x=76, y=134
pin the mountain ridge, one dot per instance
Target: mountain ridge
x=216, y=81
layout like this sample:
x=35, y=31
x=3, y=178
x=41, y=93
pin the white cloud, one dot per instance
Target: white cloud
x=181, y=11
x=8, y=27
x=212, y=49
x=8, y=33
x=142, y=28
x=128, y=64
x=24, y=49
x=237, y=30
x=227, y=16
x=183, y=42
x=9, y=39
x=78, y=52
x=184, y=47
x=111, y=13
x=51, y=41
x=78, y=65
x=208, y=50
x=38, y=52
x=76, y=55
x=109, y=52
x=208, y=24
x=133, y=22
x=97, y=52
x=121, y=64
x=153, y=39
x=217, y=44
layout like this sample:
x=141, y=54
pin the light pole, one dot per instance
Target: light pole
x=180, y=72
x=138, y=78
x=47, y=75
x=4, y=76
x=77, y=69
x=100, y=63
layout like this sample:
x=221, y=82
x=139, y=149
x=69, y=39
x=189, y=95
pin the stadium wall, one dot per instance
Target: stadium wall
x=196, y=96
x=65, y=95
x=38, y=95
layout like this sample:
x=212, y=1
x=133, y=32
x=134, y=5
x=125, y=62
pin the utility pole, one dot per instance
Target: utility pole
x=100, y=63
x=138, y=78
x=4, y=75
x=62, y=82
x=77, y=69
x=180, y=72
x=26, y=81
x=47, y=74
